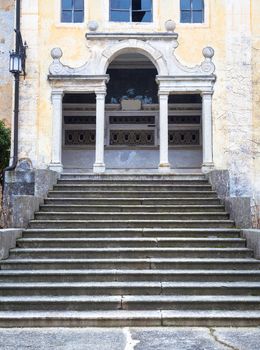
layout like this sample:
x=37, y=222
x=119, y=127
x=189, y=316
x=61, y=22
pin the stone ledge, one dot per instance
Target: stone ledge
x=8, y=240
x=253, y=241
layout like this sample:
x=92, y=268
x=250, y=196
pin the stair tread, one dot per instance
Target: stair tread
x=131, y=298
x=162, y=249
x=130, y=284
x=73, y=260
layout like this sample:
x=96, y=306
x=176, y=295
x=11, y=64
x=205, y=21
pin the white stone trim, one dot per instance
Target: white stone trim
x=207, y=131
x=56, y=158
x=164, y=146
x=99, y=166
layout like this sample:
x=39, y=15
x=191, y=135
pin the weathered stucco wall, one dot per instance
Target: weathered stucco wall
x=6, y=44
x=232, y=28
x=256, y=103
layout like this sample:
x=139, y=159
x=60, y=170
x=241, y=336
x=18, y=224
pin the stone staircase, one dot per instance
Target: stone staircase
x=130, y=250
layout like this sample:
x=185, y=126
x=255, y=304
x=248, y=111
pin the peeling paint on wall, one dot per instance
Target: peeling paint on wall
x=6, y=45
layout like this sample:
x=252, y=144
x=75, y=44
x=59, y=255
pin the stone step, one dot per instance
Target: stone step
x=129, y=302
x=131, y=224
x=123, y=318
x=131, y=194
x=128, y=188
x=131, y=215
x=127, y=264
x=128, y=232
x=130, y=208
x=132, y=176
x=142, y=275
x=132, y=201
x=134, y=181
x=130, y=288
x=130, y=242
x=125, y=253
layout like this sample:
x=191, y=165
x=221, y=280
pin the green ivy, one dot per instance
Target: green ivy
x=5, y=144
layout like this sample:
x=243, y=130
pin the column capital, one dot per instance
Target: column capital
x=206, y=94
x=101, y=93
x=163, y=93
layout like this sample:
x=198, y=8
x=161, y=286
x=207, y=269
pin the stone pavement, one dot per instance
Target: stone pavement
x=130, y=339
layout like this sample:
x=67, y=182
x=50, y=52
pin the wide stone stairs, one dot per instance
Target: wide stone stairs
x=129, y=249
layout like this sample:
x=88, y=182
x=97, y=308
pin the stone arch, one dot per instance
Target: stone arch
x=137, y=46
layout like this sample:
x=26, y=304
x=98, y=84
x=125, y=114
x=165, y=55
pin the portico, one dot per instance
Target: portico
x=190, y=123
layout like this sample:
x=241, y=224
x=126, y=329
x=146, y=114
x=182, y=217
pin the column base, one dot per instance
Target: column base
x=207, y=167
x=164, y=168
x=58, y=167
x=99, y=168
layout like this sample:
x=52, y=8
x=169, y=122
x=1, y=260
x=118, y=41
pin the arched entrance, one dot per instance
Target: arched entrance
x=132, y=113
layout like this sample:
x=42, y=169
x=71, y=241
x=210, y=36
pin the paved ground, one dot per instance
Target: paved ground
x=131, y=339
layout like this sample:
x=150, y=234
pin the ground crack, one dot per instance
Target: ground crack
x=215, y=337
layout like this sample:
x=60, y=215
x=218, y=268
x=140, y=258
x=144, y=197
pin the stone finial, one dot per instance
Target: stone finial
x=92, y=26
x=56, y=53
x=208, y=52
x=207, y=65
x=170, y=25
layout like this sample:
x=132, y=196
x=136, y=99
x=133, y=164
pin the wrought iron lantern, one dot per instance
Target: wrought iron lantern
x=18, y=57
x=15, y=63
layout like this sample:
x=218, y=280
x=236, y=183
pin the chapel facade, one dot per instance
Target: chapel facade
x=144, y=86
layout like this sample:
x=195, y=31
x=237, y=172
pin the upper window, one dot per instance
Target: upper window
x=72, y=11
x=131, y=10
x=192, y=11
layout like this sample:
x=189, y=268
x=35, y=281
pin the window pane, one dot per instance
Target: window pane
x=198, y=17
x=142, y=16
x=197, y=4
x=120, y=4
x=141, y=4
x=185, y=4
x=78, y=4
x=120, y=16
x=67, y=4
x=66, y=16
x=78, y=16
x=186, y=17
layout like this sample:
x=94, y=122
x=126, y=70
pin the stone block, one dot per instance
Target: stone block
x=8, y=240
x=253, y=241
x=240, y=211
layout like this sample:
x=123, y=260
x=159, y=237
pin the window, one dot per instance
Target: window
x=192, y=11
x=131, y=10
x=72, y=11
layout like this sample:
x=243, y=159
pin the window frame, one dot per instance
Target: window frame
x=191, y=11
x=73, y=11
x=130, y=11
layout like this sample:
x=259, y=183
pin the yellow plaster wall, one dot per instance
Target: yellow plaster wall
x=6, y=44
x=255, y=10
x=218, y=31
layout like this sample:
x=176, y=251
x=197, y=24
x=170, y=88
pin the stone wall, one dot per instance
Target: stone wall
x=6, y=45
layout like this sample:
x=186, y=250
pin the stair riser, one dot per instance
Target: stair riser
x=134, y=177
x=126, y=224
x=137, y=188
x=110, y=277
x=132, y=182
x=44, y=291
x=128, y=255
x=122, y=201
x=129, y=216
x=131, y=233
x=102, y=306
x=130, y=265
x=129, y=322
x=117, y=194
x=151, y=209
x=131, y=244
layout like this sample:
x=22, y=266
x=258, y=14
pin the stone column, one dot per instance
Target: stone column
x=164, y=165
x=207, y=131
x=56, y=163
x=99, y=166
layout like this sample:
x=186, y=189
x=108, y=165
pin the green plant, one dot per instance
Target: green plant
x=5, y=144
